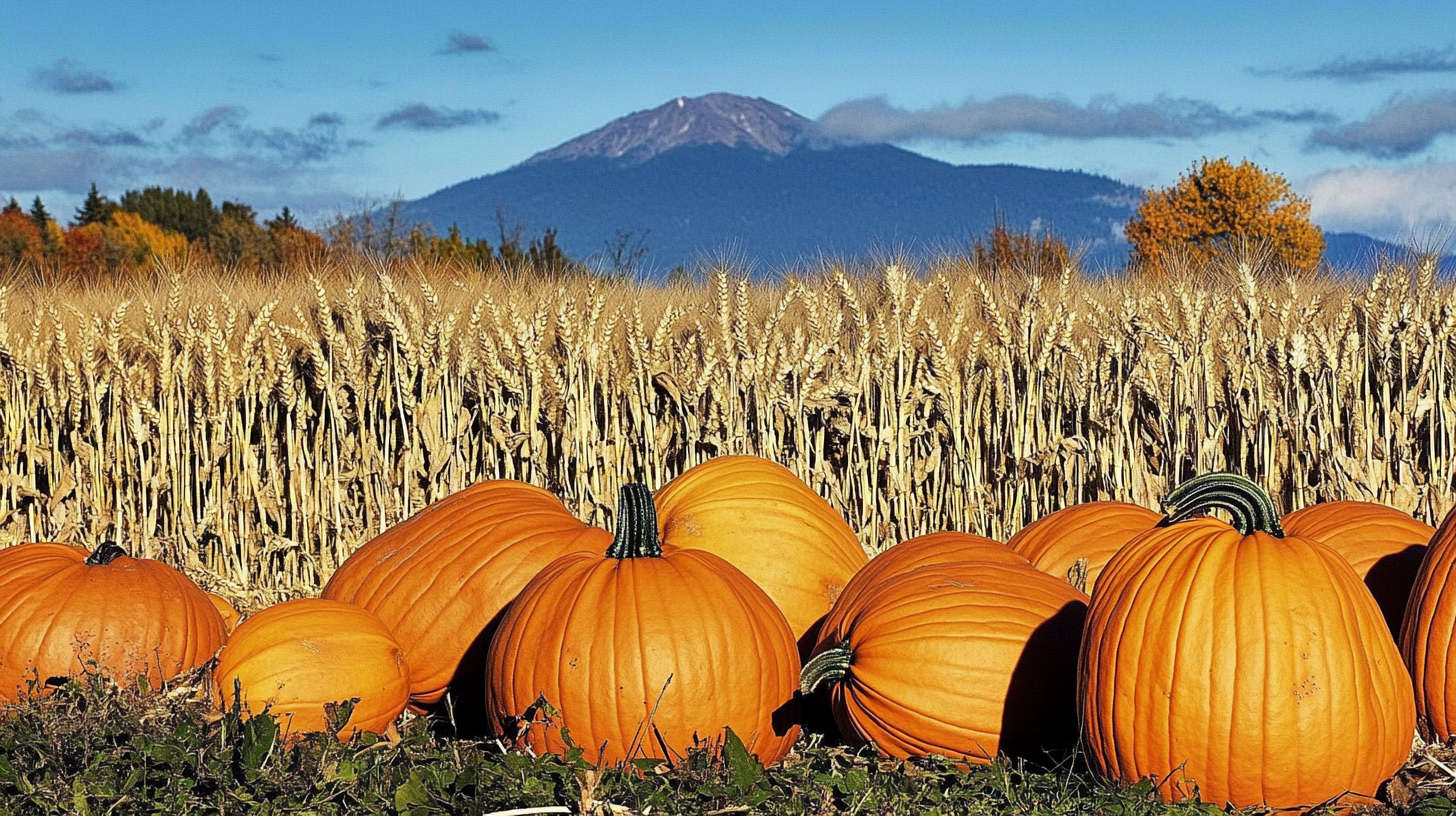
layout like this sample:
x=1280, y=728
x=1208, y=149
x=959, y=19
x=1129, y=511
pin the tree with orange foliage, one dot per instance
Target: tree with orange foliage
x=138, y=241
x=1216, y=210
x=21, y=242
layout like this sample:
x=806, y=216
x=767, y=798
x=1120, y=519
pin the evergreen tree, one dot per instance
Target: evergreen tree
x=285, y=220
x=12, y=207
x=39, y=216
x=96, y=209
x=174, y=210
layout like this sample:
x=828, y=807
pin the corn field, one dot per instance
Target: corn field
x=257, y=432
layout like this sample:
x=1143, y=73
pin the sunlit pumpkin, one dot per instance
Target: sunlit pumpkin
x=967, y=654
x=1384, y=545
x=1090, y=532
x=297, y=658
x=1240, y=663
x=643, y=652
x=440, y=579
x=1428, y=632
x=225, y=608
x=64, y=612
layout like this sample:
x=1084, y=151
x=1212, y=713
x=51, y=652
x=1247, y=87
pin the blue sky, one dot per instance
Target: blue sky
x=320, y=104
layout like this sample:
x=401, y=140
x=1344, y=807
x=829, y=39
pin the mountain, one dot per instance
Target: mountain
x=718, y=118
x=727, y=176
x=1354, y=251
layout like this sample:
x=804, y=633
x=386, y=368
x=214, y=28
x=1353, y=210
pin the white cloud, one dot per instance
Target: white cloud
x=1395, y=204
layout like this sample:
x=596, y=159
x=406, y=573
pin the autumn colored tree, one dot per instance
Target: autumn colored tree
x=137, y=241
x=1219, y=209
x=20, y=241
x=1006, y=250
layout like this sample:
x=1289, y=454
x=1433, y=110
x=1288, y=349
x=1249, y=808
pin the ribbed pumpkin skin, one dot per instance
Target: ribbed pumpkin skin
x=301, y=654
x=960, y=659
x=1384, y=545
x=439, y=579
x=599, y=638
x=761, y=518
x=1091, y=530
x=1427, y=635
x=134, y=615
x=1259, y=665
x=913, y=553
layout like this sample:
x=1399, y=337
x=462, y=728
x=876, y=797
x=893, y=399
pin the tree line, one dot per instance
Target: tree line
x=1215, y=209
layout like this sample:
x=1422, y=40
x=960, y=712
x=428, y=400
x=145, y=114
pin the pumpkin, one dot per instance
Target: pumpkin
x=643, y=653
x=934, y=548
x=1427, y=632
x=762, y=519
x=224, y=607
x=441, y=579
x=963, y=658
x=297, y=658
x=1384, y=545
x=64, y=612
x=1093, y=531
x=1233, y=660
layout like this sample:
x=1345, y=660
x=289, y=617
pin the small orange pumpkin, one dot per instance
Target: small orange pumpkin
x=224, y=607
x=64, y=611
x=1384, y=545
x=644, y=653
x=295, y=658
x=1247, y=665
x=1093, y=531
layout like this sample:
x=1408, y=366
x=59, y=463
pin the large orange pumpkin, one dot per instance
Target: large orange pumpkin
x=643, y=652
x=1093, y=531
x=64, y=612
x=1235, y=661
x=295, y=658
x=933, y=548
x=1428, y=632
x=965, y=655
x=762, y=519
x=440, y=579
x=1384, y=545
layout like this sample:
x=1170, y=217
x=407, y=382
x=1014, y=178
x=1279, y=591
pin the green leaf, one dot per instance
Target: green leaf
x=744, y=768
x=1435, y=806
x=412, y=792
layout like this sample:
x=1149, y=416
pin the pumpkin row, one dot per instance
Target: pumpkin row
x=1251, y=663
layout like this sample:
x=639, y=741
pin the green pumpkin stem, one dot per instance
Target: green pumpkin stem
x=636, y=535
x=1248, y=504
x=832, y=664
x=105, y=554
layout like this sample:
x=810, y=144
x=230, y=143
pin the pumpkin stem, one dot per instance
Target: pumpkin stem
x=1250, y=506
x=636, y=535
x=105, y=554
x=831, y=664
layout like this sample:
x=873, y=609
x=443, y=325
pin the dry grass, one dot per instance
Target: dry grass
x=257, y=432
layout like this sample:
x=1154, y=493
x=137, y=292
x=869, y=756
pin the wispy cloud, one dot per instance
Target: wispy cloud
x=461, y=43
x=1391, y=203
x=419, y=116
x=875, y=120
x=218, y=149
x=1371, y=69
x=66, y=77
x=1401, y=127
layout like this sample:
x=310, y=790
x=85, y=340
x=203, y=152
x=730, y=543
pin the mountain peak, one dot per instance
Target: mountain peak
x=717, y=118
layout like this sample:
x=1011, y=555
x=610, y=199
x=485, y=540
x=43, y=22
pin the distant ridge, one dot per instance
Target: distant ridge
x=726, y=176
x=717, y=118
